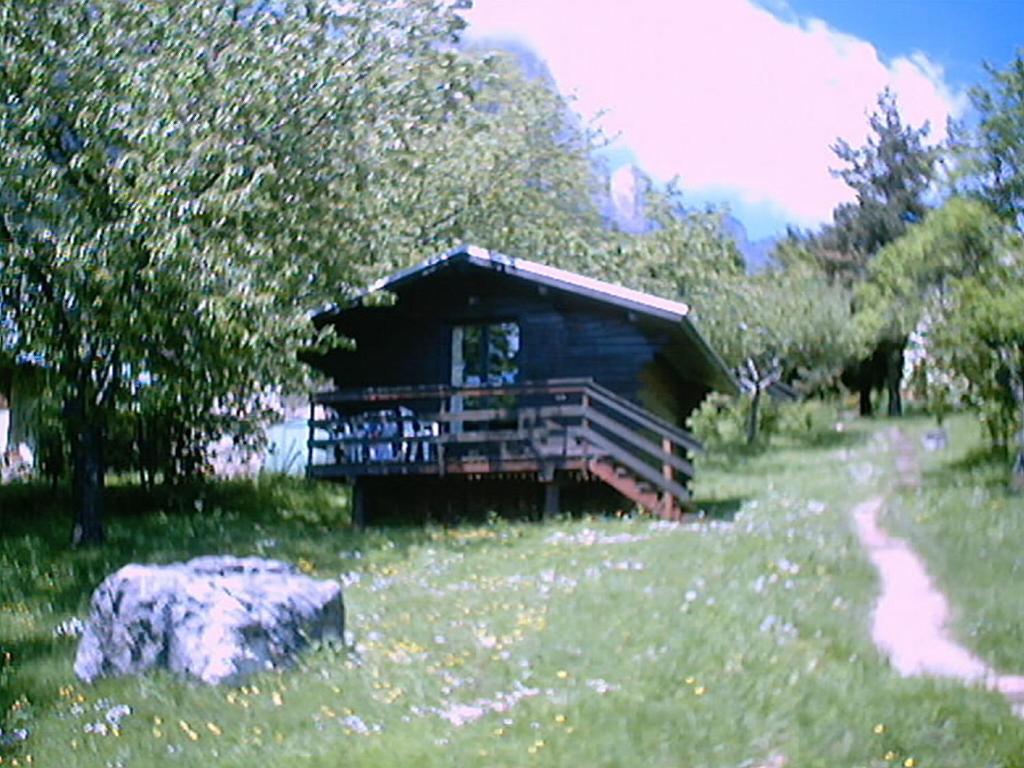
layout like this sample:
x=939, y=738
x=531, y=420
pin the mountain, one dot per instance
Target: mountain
x=756, y=253
x=625, y=203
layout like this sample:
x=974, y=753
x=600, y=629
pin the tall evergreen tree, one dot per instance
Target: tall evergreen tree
x=891, y=176
x=993, y=152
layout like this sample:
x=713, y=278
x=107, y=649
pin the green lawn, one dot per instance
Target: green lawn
x=736, y=642
x=970, y=529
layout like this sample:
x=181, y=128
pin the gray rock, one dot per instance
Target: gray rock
x=217, y=619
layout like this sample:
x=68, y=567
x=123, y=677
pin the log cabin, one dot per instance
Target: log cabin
x=492, y=383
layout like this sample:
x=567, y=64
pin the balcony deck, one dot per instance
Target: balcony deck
x=533, y=429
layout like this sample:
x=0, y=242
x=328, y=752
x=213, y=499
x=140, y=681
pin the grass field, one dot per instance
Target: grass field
x=970, y=529
x=740, y=641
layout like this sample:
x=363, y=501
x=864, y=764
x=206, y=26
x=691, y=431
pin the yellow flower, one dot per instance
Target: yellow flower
x=214, y=729
x=691, y=680
x=890, y=755
x=559, y=719
x=879, y=728
x=276, y=698
x=562, y=674
x=187, y=729
x=910, y=762
x=700, y=690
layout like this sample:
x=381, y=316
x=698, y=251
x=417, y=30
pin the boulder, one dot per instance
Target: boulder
x=217, y=619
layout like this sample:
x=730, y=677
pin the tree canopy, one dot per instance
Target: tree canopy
x=181, y=183
x=992, y=153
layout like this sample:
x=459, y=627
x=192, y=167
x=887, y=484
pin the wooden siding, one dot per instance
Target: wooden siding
x=561, y=336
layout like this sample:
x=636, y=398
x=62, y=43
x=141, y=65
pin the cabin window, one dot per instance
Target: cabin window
x=485, y=354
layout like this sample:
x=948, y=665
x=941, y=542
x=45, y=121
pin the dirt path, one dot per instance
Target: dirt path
x=910, y=619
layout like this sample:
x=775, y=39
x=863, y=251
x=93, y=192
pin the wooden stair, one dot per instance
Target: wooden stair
x=635, y=452
x=629, y=486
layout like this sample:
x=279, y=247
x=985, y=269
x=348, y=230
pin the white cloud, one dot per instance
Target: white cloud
x=724, y=94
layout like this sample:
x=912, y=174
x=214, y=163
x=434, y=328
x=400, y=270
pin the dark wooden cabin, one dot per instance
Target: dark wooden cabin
x=496, y=383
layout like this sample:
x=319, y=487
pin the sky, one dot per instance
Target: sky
x=742, y=99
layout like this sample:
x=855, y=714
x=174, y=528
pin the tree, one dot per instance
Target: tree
x=891, y=176
x=913, y=274
x=517, y=176
x=983, y=340
x=993, y=152
x=908, y=290
x=777, y=325
x=179, y=183
x=680, y=253
x=954, y=280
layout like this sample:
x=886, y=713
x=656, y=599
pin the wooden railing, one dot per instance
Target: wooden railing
x=530, y=427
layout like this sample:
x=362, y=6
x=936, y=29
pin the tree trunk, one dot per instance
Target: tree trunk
x=893, y=377
x=1017, y=473
x=755, y=403
x=88, y=473
x=865, y=399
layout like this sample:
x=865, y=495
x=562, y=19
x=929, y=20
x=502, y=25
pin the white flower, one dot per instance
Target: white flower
x=601, y=686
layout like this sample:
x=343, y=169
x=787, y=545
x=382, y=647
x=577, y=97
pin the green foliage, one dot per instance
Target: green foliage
x=181, y=182
x=808, y=422
x=954, y=281
x=721, y=424
x=721, y=421
x=910, y=278
x=891, y=176
x=992, y=153
x=982, y=339
x=682, y=254
x=795, y=317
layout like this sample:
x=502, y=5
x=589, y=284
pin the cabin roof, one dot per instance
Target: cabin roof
x=541, y=274
x=675, y=313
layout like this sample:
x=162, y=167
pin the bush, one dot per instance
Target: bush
x=807, y=421
x=721, y=422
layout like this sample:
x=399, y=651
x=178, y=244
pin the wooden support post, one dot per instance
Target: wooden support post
x=439, y=445
x=670, y=510
x=359, y=504
x=312, y=435
x=585, y=423
x=552, y=499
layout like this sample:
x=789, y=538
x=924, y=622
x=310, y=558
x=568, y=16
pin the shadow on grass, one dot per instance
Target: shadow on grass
x=989, y=467
x=728, y=455
x=44, y=581
x=719, y=509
